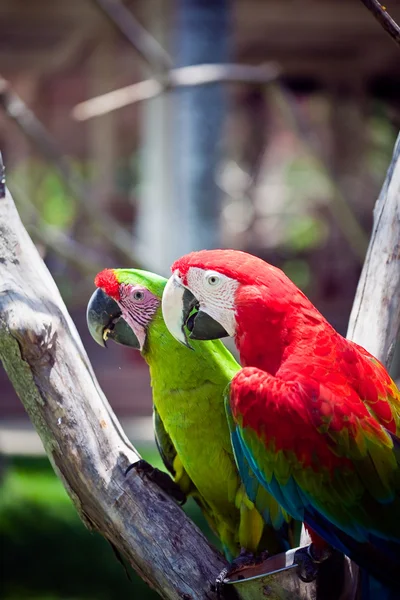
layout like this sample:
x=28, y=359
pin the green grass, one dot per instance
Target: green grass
x=47, y=553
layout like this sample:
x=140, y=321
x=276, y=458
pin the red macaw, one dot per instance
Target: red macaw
x=315, y=415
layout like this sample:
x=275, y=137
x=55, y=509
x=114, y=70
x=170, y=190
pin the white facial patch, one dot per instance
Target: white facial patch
x=216, y=295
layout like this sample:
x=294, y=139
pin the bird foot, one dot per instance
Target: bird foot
x=308, y=560
x=163, y=480
x=244, y=561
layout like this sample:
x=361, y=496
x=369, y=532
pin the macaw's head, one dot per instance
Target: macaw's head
x=225, y=287
x=124, y=305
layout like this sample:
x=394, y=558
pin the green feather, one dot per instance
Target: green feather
x=192, y=431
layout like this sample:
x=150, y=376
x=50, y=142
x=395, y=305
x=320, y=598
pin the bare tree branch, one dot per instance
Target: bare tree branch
x=34, y=130
x=380, y=13
x=181, y=77
x=48, y=366
x=145, y=44
x=375, y=317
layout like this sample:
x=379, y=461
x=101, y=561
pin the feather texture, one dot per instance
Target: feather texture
x=190, y=423
x=314, y=416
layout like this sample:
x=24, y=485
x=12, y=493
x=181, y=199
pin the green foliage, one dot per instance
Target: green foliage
x=382, y=136
x=47, y=192
x=307, y=179
x=305, y=232
x=299, y=272
x=309, y=188
x=47, y=553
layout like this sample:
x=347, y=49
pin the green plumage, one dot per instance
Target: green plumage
x=192, y=432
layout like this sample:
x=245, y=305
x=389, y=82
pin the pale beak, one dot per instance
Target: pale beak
x=177, y=304
x=177, y=307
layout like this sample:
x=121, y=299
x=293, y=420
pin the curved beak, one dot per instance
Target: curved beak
x=181, y=308
x=204, y=327
x=105, y=322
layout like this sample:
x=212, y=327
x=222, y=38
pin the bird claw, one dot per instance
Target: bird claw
x=308, y=560
x=163, y=480
x=219, y=582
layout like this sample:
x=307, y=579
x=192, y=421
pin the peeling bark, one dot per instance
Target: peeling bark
x=375, y=317
x=44, y=357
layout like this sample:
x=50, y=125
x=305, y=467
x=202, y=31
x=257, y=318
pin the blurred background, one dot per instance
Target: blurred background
x=276, y=142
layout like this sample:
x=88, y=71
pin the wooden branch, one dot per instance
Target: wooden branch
x=180, y=77
x=48, y=366
x=375, y=317
x=143, y=42
x=382, y=16
x=34, y=130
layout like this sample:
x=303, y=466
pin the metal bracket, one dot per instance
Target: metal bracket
x=277, y=579
x=274, y=579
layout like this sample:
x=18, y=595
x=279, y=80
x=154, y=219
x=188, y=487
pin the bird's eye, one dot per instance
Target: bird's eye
x=138, y=296
x=213, y=279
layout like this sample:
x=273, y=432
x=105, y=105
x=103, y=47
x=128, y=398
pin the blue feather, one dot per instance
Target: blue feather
x=378, y=555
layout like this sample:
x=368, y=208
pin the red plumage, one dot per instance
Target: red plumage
x=243, y=267
x=107, y=281
x=281, y=332
x=315, y=412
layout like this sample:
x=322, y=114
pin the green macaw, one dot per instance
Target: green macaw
x=190, y=423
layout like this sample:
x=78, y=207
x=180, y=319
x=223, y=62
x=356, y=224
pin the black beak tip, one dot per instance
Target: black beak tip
x=101, y=310
x=102, y=314
x=204, y=327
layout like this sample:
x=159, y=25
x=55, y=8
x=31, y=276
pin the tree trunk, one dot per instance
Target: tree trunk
x=48, y=366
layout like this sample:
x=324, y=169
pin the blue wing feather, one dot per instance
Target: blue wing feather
x=266, y=504
x=379, y=555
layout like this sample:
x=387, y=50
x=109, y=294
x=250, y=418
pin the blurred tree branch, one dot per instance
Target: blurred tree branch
x=382, y=16
x=34, y=130
x=180, y=77
x=164, y=76
x=143, y=42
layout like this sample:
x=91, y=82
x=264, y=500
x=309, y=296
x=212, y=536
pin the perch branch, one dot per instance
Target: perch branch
x=180, y=77
x=375, y=317
x=48, y=366
x=382, y=16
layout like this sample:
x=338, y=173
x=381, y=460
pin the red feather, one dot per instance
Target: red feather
x=305, y=391
x=243, y=267
x=281, y=332
x=107, y=281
